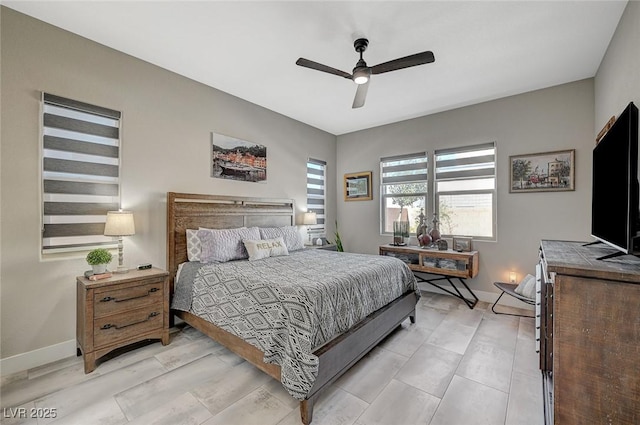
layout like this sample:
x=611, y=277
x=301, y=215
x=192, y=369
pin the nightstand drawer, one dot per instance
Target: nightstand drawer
x=113, y=329
x=113, y=301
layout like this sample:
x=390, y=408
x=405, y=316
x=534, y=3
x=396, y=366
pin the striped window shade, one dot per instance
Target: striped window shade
x=80, y=173
x=469, y=162
x=316, y=194
x=401, y=169
x=465, y=191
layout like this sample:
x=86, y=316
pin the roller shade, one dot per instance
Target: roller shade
x=80, y=172
x=316, y=193
x=404, y=168
x=469, y=162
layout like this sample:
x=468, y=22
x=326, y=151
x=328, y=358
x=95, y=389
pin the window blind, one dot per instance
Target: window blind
x=80, y=172
x=410, y=168
x=469, y=162
x=316, y=193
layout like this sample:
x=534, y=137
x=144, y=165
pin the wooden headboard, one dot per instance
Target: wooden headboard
x=190, y=211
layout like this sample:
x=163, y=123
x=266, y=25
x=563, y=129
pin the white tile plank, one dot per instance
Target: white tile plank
x=400, y=403
x=430, y=369
x=468, y=402
x=154, y=392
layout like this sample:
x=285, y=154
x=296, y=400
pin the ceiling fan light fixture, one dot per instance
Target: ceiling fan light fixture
x=361, y=76
x=361, y=73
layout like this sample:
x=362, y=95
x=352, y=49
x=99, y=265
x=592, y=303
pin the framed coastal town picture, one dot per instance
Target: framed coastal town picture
x=542, y=172
x=237, y=159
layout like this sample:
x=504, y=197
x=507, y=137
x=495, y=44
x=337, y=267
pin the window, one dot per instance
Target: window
x=316, y=195
x=465, y=189
x=80, y=173
x=403, y=190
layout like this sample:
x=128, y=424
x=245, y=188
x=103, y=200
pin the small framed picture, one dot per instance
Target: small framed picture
x=357, y=186
x=462, y=244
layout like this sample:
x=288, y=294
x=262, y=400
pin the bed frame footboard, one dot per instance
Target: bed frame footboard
x=338, y=355
x=335, y=357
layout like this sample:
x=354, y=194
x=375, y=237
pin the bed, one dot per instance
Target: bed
x=333, y=356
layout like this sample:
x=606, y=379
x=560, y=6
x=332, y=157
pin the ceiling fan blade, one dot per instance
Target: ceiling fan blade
x=361, y=95
x=405, y=62
x=320, y=67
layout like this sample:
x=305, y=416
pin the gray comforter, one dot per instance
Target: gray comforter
x=287, y=306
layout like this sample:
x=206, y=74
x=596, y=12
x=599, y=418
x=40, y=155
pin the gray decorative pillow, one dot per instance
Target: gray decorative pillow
x=193, y=245
x=527, y=287
x=264, y=248
x=290, y=234
x=225, y=244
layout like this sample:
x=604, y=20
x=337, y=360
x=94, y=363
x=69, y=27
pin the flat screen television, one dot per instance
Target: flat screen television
x=615, y=199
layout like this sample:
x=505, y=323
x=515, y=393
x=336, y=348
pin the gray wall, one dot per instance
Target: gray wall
x=552, y=119
x=618, y=79
x=167, y=120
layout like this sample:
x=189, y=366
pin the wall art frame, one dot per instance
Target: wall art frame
x=542, y=172
x=357, y=186
x=237, y=159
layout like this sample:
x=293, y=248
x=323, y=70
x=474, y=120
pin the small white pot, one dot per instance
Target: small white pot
x=99, y=268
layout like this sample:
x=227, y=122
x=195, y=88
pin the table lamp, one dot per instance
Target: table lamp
x=310, y=218
x=119, y=224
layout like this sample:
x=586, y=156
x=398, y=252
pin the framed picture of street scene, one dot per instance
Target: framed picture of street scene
x=542, y=172
x=236, y=159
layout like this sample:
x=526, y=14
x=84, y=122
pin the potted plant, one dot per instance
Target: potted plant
x=98, y=260
x=338, y=240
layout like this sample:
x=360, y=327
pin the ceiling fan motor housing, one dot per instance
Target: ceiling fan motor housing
x=361, y=44
x=361, y=72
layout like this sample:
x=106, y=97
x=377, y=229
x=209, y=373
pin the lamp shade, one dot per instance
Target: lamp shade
x=119, y=223
x=310, y=218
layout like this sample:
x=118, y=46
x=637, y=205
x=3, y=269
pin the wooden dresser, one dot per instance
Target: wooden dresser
x=589, y=334
x=121, y=310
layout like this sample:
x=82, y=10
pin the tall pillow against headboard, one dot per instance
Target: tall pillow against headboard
x=290, y=234
x=225, y=244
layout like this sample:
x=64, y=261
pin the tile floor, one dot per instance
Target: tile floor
x=454, y=366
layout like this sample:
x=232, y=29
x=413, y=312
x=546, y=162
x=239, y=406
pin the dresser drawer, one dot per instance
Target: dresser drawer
x=113, y=301
x=113, y=329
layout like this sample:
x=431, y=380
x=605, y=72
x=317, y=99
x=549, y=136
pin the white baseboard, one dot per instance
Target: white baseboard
x=486, y=296
x=39, y=357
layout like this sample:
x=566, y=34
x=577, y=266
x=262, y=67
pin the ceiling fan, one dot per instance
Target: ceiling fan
x=362, y=72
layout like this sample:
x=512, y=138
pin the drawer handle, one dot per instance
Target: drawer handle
x=107, y=299
x=109, y=325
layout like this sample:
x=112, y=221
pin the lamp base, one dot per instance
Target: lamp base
x=121, y=269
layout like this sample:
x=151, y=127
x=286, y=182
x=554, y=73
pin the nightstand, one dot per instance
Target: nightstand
x=121, y=310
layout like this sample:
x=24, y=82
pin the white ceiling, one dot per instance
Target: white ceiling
x=484, y=50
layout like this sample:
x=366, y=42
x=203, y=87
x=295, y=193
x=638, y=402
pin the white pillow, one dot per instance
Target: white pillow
x=264, y=248
x=290, y=234
x=193, y=245
x=527, y=287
